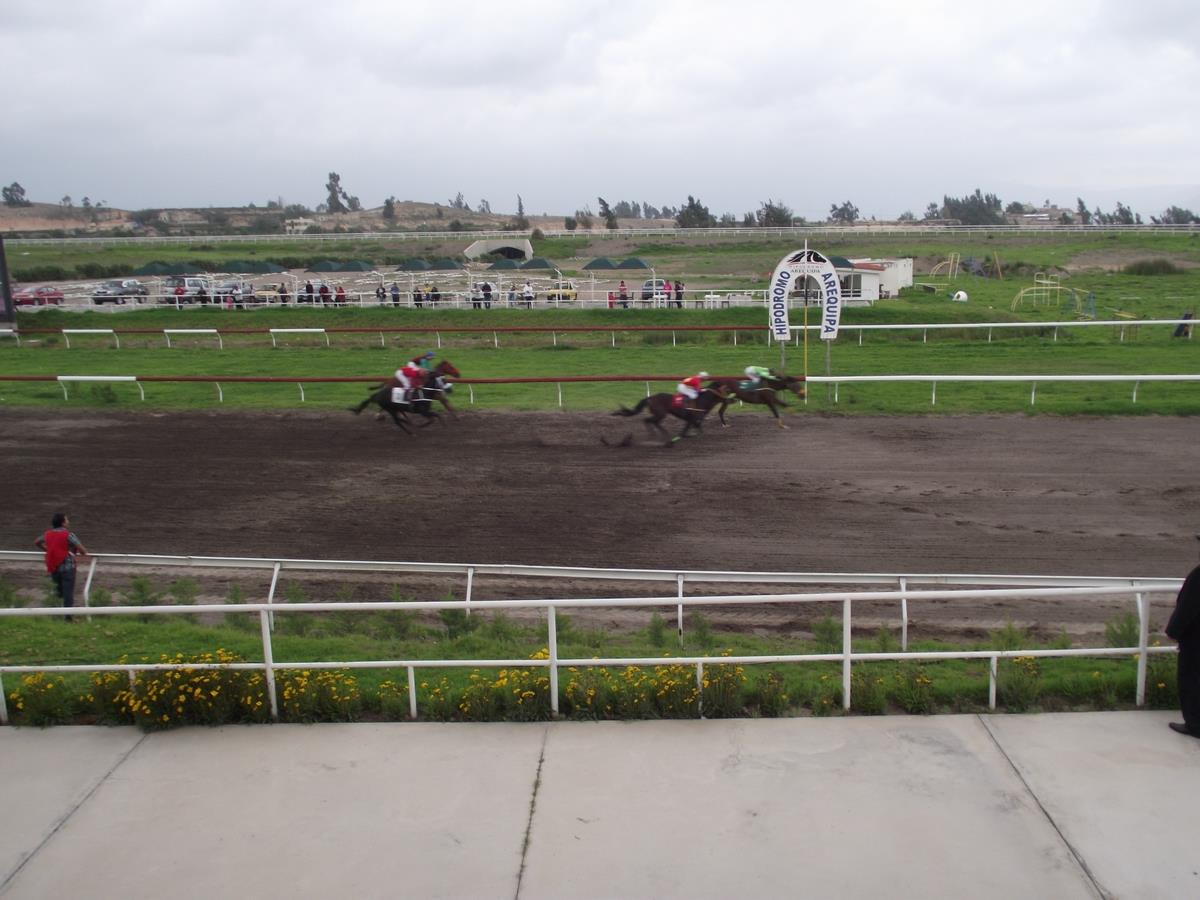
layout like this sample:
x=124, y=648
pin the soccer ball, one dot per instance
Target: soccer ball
x=960, y=296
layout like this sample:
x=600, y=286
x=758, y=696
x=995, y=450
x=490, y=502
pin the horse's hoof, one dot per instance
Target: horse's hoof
x=353, y=409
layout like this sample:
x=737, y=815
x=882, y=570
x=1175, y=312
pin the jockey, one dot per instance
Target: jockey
x=756, y=374
x=424, y=361
x=411, y=375
x=689, y=389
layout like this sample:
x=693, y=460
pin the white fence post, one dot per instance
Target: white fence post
x=470, y=582
x=552, y=647
x=991, y=682
x=1143, y=637
x=904, y=614
x=846, y=653
x=679, y=608
x=271, y=592
x=268, y=662
x=700, y=689
x=412, y=693
x=3, y=704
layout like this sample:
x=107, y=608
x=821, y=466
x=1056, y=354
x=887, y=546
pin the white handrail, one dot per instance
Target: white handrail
x=554, y=663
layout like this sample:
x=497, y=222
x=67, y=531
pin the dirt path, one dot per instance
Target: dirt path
x=993, y=494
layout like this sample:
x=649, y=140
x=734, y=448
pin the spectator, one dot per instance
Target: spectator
x=283, y=293
x=623, y=293
x=339, y=296
x=324, y=293
x=612, y=300
x=527, y=295
x=678, y=293
x=435, y=296
x=308, y=290
x=395, y=294
x=487, y=295
x=1184, y=627
x=380, y=295
x=476, y=295
x=60, y=546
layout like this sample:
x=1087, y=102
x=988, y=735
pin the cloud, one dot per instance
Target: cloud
x=888, y=105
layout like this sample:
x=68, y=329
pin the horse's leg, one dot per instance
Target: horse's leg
x=721, y=413
x=393, y=410
x=773, y=406
x=446, y=403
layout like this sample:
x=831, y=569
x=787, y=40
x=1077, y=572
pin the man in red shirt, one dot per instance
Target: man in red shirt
x=60, y=546
x=688, y=390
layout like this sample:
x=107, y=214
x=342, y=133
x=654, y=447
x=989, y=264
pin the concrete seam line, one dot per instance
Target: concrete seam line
x=4, y=885
x=537, y=783
x=1076, y=855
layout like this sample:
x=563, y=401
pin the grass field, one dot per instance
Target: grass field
x=1046, y=350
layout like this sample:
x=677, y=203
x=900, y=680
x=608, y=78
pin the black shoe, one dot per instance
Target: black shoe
x=1182, y=729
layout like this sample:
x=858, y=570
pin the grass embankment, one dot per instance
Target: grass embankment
x=1045, y=350
x=664, y=691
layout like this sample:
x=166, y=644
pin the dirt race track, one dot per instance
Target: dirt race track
x=992, y=494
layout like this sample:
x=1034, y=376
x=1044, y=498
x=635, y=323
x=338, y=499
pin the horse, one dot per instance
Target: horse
x=421, y=403
x=767, y=393
x=692, y=412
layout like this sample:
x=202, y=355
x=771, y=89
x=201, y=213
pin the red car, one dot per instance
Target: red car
x=37, y=296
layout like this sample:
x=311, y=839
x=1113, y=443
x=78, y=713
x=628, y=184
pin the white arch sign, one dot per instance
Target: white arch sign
x=793, y=268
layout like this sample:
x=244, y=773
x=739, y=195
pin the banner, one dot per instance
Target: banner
x=792, y=271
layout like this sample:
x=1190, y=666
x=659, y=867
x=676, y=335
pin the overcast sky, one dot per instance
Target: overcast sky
x=889, y=105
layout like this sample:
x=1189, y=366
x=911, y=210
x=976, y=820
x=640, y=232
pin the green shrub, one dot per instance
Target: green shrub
x=868, y=693
x=1010, y=637
x=1151, y=267
x=1123, y=631
x=183, y=696
x=912, y=689
x=393, y=701
x=1162, y=688
x=885, y=641
x=317, y=696
x=827, y=634
x=722, y=690
x=8, y=594
x=457, y=622
x=657, y=632
x=772, y=698
x=701, y=631
x=826, y=696
x=41, y=699
x=1018, y=685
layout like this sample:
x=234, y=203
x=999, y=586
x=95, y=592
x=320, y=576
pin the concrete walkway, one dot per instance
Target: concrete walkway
x=1064, y=805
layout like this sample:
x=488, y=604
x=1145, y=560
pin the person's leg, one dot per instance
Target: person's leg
x=1188, y=674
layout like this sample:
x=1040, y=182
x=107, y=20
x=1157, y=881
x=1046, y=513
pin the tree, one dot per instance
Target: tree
x=389, y=209
x=66, y=201
x=584, y=217
x=570, y=223
x=86, y=203
x=485, y=207
x=774, y=215
x=650, y=212
x=933, y=211
x=846, y=214
x=334, y=187
x=974, y=209
x=694, y=214
x=520, y=222
x=727, y=220
x=1016, y=208
x=610, y=218
x=1176, y=215
x=1085, y=217
x=14, y=195
x=906, y=216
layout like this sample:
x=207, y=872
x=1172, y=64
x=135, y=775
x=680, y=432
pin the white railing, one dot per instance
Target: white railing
x=667, y=231
x=1034, y=380
x=1085, y=588
x=925, y=328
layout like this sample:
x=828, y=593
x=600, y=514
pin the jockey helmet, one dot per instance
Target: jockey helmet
x=750, y=371
x=429, y=354
x=703, y=375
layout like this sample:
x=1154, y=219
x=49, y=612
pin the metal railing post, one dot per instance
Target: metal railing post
x=552, y=647
x=268, y=662
x=700, y=689
x=904, y=614
x=3, y=704
x=87, y=585
x=846, y=653
x=470, y=584
x=1143, y=637
x=991, y=682
x=679, y=608
x=271, y=592
x=412, y=693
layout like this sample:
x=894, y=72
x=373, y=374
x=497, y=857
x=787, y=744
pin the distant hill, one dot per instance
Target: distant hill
x=53, y=219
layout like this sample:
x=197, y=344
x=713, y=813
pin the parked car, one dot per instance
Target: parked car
x=562, y=291
x=186, y=289
x=238, y=290
x=272, y=294
x=120, y=291
x=653, y=287
x=38, y=296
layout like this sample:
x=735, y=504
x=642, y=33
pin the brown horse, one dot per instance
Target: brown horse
x=421, y=402
x=768, y=393
x=692, y=412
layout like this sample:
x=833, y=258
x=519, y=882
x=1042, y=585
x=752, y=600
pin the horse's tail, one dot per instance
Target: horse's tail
x=626, y=411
